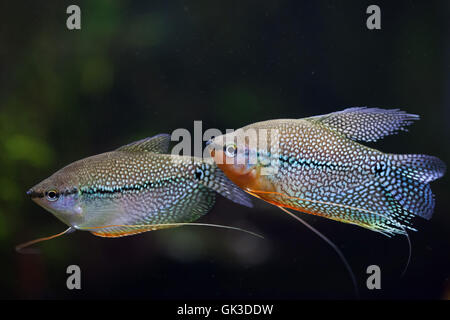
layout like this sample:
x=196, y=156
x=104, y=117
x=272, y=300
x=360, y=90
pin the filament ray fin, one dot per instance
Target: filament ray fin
x=20, y=247
x=145, y=228
x=335, y=248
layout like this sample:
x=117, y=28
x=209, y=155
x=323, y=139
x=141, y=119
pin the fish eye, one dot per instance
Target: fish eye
x=52, y=195
x=230, y=150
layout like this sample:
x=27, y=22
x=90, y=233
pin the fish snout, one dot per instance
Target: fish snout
x=33, y=194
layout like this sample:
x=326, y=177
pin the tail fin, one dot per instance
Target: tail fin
x=407, y=180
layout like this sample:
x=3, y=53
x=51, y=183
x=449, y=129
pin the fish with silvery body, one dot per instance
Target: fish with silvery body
x=318, y=166
x=133, y=189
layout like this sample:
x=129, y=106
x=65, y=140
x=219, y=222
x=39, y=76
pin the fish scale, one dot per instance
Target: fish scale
x=134, y=189
x=318, y=167
x=167, y=191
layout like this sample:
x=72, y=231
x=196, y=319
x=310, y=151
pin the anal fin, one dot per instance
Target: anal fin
x=126, y=230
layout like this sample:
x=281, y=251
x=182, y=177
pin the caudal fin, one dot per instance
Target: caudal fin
x=407, y=181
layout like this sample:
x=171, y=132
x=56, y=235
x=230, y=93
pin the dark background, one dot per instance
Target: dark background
x=138, y=68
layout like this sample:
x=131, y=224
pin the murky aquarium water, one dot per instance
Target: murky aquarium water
x=209, y=151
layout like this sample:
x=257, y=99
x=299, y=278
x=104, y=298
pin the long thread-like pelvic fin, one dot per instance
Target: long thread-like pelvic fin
x=20, y=247
x=335, y=248
x=385, y=232
x=134, y=229
x=140, y=228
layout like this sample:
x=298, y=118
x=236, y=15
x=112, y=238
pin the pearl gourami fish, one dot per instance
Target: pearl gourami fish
x=136, y=188
x=316, y=165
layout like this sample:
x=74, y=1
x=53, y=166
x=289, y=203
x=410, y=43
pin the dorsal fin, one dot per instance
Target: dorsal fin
x=366, y=124
x=157, y=144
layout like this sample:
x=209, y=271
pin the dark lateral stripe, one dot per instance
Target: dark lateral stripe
x=103, y=190
x=118, y=189
x=34, y=194
x=68, y=192
x=310, y=163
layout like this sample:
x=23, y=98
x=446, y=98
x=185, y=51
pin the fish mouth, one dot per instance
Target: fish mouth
x=34, y=194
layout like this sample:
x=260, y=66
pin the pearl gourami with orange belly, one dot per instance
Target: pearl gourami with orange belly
x=316, y=165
